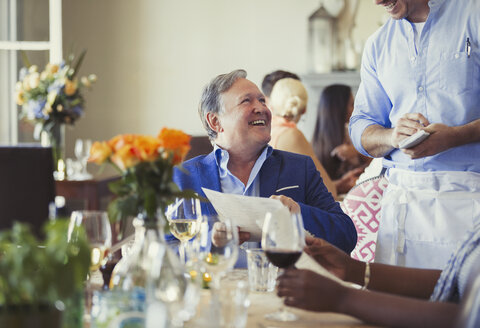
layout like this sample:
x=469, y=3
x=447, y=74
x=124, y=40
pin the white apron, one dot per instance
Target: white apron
x=424, y=215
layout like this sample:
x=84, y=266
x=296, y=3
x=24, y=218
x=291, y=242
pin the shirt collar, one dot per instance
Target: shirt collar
x=222, y=156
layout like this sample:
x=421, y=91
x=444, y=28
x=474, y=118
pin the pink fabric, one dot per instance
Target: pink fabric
x=279, y=125
x=362, y=204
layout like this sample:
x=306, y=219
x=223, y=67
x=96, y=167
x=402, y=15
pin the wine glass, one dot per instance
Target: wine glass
x=283, y=239
x=184, y=219
x=217, y=247
x=99, y=234
x=82, y=152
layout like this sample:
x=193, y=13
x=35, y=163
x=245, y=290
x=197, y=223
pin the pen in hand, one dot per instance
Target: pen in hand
x=468, y=47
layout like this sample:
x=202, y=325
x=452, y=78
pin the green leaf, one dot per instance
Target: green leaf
x=79, y=63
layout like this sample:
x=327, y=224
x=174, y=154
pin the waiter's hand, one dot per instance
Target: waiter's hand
x=442, y=137
x=292, y=205
x=407, y=125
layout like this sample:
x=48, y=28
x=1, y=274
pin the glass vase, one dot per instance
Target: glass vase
x=55, y=138
x=152, y=271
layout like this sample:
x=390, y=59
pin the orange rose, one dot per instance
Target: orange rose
x=146, y=147
x=99, y=152
x=119, y=141
x=175, y=141
x=125, y=157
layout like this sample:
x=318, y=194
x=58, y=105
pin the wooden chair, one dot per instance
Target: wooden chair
x=26, y=185
x=200, y=145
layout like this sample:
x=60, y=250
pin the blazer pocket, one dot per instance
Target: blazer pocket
x=287, y=188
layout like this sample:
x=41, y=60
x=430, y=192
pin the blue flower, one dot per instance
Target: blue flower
x=34, y=109
x=56, y=86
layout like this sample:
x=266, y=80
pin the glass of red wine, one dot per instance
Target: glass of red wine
x=283, y=239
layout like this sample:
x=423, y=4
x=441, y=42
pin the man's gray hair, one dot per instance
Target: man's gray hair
x=211, y=101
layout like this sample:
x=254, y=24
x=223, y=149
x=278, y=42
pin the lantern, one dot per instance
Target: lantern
x=321, y=41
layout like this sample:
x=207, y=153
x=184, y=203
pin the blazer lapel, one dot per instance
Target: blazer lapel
x=269, y=174
x=208, y=174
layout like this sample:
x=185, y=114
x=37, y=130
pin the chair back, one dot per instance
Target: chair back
x=362, y=203
x=200, y=145
x=26, y=185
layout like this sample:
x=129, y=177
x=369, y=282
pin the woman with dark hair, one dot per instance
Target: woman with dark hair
x=331, y=142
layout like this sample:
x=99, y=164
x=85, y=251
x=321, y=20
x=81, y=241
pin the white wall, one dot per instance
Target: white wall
x=153, y=57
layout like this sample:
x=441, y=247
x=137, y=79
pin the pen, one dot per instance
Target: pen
x=468, y=47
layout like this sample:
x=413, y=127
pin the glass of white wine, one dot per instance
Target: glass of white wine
x=99, y=234
x=98, y=231
x=184, y=219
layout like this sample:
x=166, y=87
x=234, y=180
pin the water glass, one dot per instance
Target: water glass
x=262, y=274
x=234, y=303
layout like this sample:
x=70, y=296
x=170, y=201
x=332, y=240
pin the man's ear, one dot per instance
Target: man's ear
x=214, y=122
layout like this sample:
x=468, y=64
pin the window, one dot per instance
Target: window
x=35, y=27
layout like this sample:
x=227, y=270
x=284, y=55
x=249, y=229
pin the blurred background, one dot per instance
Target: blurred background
x=152, y=57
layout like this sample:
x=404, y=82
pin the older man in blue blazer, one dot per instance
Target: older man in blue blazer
x=238, y=123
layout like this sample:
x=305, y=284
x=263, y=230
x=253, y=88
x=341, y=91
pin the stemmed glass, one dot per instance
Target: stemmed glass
x=217, y=247
x=283, y=239
x=184, y=218
x=82, y=152
x=99, y=234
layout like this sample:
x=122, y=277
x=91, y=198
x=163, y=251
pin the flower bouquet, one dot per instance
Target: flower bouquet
x=146, y=166
x=52, y=98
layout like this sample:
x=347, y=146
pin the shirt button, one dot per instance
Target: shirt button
x=412, y=58
x=456, y=56
x=420, y=88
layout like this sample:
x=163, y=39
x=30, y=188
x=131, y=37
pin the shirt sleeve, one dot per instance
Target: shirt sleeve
x=372, y=104
x=322, y=215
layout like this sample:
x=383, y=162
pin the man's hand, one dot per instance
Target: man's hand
x=407, y=125
x=243, y=236
x=292, y=205
x=219, y=235
x=442, y=137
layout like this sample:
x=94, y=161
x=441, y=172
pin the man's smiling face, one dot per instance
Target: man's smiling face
x=245, y=122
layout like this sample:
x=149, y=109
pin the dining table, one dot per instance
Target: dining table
x=262, y=303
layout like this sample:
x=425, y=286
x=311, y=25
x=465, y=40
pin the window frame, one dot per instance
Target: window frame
x=9, y=63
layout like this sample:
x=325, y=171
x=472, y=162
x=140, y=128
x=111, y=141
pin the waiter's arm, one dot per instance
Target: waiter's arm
x=378, y=141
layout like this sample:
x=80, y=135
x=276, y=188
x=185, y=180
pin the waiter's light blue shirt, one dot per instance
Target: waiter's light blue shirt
x=232, y=185
x=439, y=79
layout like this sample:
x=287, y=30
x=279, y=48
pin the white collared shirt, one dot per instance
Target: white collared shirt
x=231, y=184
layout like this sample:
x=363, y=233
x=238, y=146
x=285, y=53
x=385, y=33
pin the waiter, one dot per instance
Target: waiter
x=421, y=72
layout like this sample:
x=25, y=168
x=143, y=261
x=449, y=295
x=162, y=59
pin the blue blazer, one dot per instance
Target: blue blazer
x=322, y=215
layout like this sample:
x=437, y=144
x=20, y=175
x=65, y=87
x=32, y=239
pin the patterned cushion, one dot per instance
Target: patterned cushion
x=362, y=204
